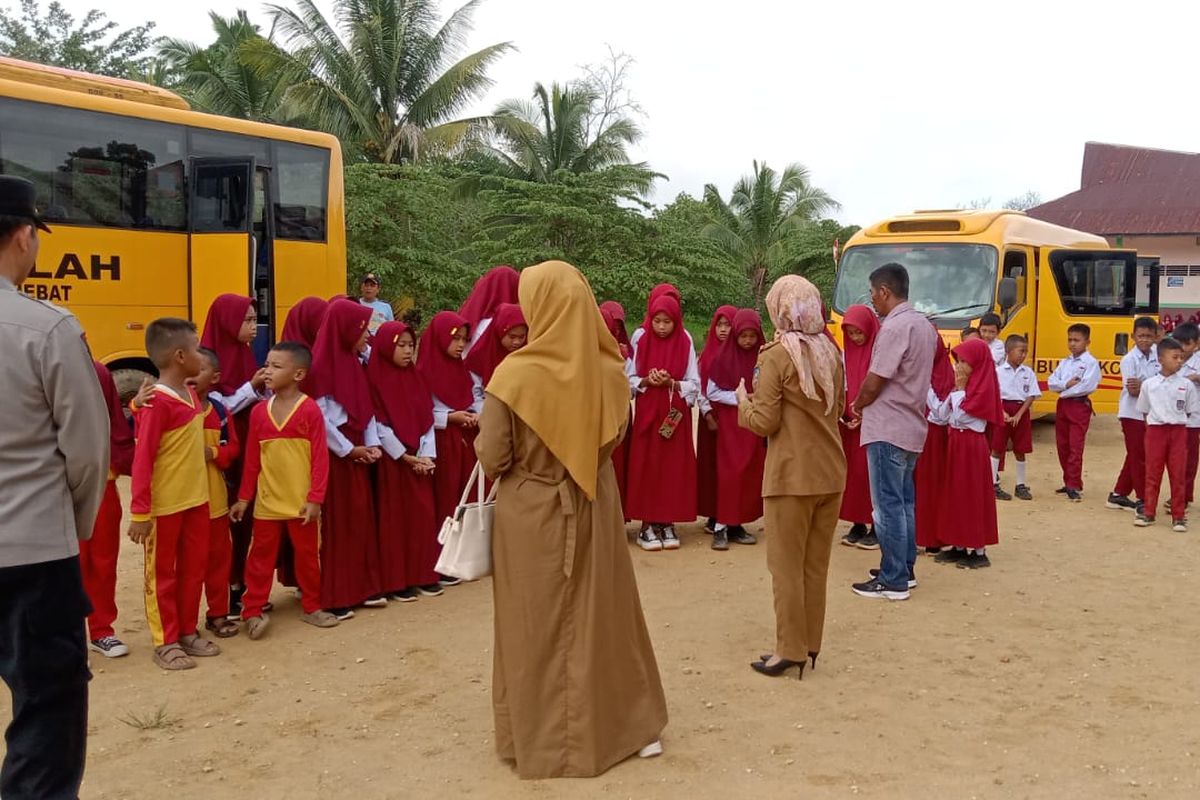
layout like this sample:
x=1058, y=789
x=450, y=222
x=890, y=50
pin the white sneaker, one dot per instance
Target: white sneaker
x=651, y=750
x=669, y=540
x=1179, y=526
x=648, y=540
x=109, y=647
x=376, y=602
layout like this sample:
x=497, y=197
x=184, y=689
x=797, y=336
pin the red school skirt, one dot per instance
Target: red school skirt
x=969, y=517
x=740, y=459
x=856, y=500
x=408, y=526
x=706, y=468
x=662, y=472
x=930, y=493
x=349, y=537
x=455, y=461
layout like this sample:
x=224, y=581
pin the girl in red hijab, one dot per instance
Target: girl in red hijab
x=662, y=457
x=457, y=401
x=496, y=286
x=349, y=537
x=706, y=435
x=661, y=290
x=740, y=455
x=408, y=523
x=506, y=334
x=303, y=321
x=229, y=331
x=930, y=475
x=860, y=326
x=973, y=405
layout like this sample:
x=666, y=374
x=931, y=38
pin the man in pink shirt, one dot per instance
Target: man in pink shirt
x=891, y=404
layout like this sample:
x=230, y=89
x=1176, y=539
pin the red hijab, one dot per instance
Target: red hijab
x=858, y=356
x=655, y=293
x=712, y=345
x=221, y=328
x=400, y=396
x=304, y=320
x=734, y=363
x=671, y=353
x=336, y=371
x=983, y=388
x=497, y=285
x=614, y=320
x=489, y=351
x=942, y=378
x=448, y=378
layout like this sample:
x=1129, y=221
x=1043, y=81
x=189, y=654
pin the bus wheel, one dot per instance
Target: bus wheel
x=128, y=382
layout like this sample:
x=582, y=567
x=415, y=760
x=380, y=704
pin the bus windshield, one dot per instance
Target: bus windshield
x=946, y=281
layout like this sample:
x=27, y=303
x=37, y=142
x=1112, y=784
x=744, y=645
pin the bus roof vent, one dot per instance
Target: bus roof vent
x=925, y=226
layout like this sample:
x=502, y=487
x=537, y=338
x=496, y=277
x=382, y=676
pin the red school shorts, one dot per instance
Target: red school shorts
x=1021, y=434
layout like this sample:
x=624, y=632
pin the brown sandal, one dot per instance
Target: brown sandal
x=172, y=658
x=197, y=645
x=222, y=627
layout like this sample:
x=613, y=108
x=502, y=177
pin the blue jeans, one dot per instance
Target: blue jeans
x=893, y=496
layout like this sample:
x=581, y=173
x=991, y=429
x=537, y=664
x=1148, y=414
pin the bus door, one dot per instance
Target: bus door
x=1017, y=296
x=263, y=240
x=1100, y=289
x=221, y=246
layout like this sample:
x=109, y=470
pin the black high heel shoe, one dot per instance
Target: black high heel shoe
x=811, y=655
x=778, y=669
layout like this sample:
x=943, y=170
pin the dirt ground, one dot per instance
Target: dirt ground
x=1066, y=670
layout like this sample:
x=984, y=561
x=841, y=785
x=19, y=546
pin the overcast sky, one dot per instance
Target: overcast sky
x=891, y=106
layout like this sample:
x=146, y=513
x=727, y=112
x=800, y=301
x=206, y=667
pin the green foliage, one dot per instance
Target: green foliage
x=92, y=44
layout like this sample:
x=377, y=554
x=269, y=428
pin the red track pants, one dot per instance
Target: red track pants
x=260, y=563
x=98, y=563
x=1072, y=417
x=1166, y=445
x=176, y=555
x=220, y=561
x=1133, y=472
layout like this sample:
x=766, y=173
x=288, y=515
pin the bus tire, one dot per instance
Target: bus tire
x=128, y=382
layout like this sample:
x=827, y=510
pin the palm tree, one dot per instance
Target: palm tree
x=383, y=78
x=562, y=129
x=217, y=78
x=758, y=229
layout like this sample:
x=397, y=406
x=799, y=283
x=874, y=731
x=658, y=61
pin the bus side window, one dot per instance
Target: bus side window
x=219, y=198
x=1016, y=267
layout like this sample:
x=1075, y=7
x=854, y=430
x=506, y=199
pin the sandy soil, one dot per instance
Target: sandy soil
x=1065, y=670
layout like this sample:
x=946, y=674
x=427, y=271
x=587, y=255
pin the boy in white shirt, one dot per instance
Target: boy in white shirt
x=1188, y=336
x=1075, y=378
x=1167, y=400
x=1018, y=390
x=989, y=331
x=1137, y=365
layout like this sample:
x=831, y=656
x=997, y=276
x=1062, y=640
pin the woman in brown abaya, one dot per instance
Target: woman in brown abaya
x=576, y=686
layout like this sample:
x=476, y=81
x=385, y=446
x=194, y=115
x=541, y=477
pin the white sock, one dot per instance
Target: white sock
x=1021, y=473
x=995, y=470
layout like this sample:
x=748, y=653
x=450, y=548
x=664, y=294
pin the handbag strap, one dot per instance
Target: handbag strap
x=476, y=473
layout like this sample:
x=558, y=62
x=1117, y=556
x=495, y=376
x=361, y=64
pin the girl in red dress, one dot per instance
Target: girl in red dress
x=973, y=406
x=614, y=319
x=706, y=434
x=349, y=536
x=662, y=457
x=457, y=401
x=498, y=285
x=740, y=455
x=929, y=477
x=860, y=326
x=506, y=334
x=408, y=523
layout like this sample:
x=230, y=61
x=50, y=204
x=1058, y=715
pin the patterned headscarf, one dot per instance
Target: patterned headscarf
x=794, y=306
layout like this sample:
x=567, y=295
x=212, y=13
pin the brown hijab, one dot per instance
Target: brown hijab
x=794, y=305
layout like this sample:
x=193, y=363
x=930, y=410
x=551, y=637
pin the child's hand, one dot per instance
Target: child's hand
x=358, y=454
x=470, y=420
x=145, y=395
x=310, y=513
x=374, y=454
x=1072, y=382
x=460, y=418
x=210, y=454
x=259, y=380
x=742, y=394
x=711, y=421
x=962, y=373
x=139, y=532
x=238, y=510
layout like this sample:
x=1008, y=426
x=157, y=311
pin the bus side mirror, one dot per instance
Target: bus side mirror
x=1007, y=296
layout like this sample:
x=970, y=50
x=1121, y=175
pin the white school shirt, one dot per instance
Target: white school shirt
x=1085, y=367
x=477, y=334
x=1168, y=400
x=426, y=448
x=957, y=418
x=689, y=387
x=939, y=410
x=240, y=400
x=999, y=352
x=336, y=417
x=441, y=411
x=715, y=394
x=1135, y=364
x=1017, y=383
x=1192, y=367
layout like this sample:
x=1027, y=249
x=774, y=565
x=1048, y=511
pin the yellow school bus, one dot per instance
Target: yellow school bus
x=1038, y=277
x=157, y=209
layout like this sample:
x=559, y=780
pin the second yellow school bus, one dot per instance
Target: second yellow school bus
x=1040, y=278
x=157, y=209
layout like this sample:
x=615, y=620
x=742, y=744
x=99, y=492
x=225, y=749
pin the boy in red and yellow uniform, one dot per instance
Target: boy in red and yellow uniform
x=98, y=555
x=169, y=507
x=221, y=449
x=285, y=473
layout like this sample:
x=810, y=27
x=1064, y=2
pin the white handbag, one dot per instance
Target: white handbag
x=466, y=537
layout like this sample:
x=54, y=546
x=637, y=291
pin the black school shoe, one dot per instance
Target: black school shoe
x=951, y=555
x=912, y=577
x=710, y=525
x=739, y=535
x=1119, y=502
x=855, y=535
x=1074, y=495
x=875, y=589
x=1022, y=492
x=721, y=539
x=868, y=542
x=1000, y=493
x=974, y=561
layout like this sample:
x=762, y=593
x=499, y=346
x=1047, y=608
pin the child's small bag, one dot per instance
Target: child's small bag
x=674, y=416
x=466, y=537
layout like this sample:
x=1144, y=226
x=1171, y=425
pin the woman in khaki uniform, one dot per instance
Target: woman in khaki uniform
x=799, y=393
x=575, y=686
